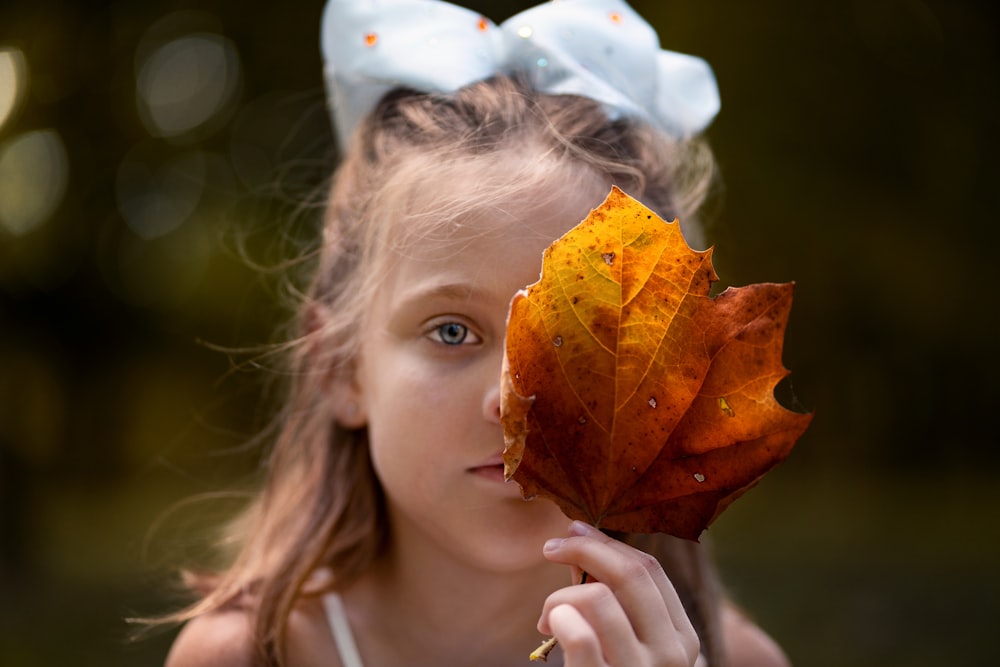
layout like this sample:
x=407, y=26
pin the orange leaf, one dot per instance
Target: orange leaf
x=631, y=397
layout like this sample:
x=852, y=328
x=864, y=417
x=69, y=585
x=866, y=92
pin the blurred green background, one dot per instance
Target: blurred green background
x=858, y=146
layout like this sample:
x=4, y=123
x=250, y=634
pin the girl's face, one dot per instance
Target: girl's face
x=428, y=384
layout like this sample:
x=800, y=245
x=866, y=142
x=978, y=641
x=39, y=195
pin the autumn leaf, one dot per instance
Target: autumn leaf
x=630, y=396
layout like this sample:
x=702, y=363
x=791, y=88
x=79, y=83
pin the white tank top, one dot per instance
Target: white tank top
x=341, y=629
x=344, y=638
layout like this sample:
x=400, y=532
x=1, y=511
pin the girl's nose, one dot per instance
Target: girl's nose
x=491, y=403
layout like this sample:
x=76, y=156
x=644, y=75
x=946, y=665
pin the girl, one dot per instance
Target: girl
x=384, y=534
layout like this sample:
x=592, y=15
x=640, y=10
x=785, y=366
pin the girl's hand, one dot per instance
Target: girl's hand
x=626, y=615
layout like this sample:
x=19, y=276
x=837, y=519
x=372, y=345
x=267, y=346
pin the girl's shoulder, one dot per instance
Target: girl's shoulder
x=746, y=644
x=225, y=638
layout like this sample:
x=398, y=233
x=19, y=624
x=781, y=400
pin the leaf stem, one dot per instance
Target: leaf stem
x=542, y=652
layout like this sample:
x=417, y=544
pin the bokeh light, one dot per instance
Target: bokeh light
x=156, y=198
x=13, y=82
x=34, y=170
x=187, y=83
x=158, y=273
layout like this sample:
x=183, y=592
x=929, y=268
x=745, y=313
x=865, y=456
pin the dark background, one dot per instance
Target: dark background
x=858, y=146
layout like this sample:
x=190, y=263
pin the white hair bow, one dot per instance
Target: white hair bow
x=601, y=49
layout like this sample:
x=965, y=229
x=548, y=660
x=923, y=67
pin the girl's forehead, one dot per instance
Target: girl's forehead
x=491, y=245
x=536, y=219
x=532, y=202
x=484, y=257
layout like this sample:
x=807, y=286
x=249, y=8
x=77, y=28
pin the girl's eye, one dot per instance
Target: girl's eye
x=453, y=333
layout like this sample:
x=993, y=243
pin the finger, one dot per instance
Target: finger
x=636, y=578
x=602, y=611
x=580, y=644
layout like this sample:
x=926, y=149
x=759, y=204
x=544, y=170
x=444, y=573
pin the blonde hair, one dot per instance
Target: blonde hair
x=321, y=505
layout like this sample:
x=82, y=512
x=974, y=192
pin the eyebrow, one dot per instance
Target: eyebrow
x=444, y=291
x=448, y=290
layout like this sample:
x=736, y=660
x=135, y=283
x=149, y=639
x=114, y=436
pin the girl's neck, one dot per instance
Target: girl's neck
x=419, y=606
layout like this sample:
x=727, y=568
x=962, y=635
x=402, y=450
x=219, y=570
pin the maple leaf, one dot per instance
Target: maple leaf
x=631, y=397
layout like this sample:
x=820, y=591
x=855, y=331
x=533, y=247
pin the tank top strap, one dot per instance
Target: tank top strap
x=341, y=629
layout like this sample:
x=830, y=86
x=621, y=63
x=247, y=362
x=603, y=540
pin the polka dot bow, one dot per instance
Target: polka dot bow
x=600, y=49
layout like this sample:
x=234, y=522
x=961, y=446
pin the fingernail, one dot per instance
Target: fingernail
x=582, y=529
x=552, y=545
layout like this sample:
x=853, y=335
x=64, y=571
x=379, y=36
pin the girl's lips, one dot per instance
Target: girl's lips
x=494, y=472
x=491, y=468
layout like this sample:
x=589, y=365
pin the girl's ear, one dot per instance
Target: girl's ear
x=347, y=402
x=339, y=383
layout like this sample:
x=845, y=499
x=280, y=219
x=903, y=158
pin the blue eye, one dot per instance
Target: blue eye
x=452, y=333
